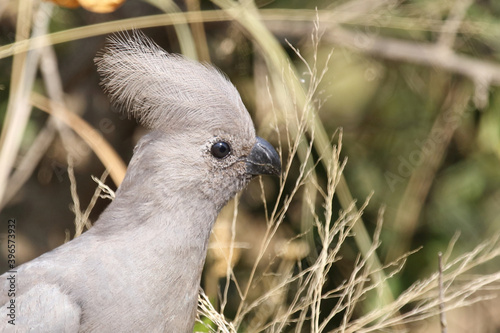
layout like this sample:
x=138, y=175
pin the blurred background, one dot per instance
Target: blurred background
x=414, y=86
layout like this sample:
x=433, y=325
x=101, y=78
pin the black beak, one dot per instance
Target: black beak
x=263, y=159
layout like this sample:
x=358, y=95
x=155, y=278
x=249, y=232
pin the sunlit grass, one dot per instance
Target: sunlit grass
x=293, y=290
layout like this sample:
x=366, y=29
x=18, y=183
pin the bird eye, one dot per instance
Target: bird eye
x=220, y=149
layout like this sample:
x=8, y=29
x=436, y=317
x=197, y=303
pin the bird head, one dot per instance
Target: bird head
x=202, y=140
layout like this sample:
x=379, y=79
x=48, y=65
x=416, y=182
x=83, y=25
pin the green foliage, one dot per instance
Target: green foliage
x=421, y=133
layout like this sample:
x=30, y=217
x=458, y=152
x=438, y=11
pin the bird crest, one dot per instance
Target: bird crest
x=165, y=91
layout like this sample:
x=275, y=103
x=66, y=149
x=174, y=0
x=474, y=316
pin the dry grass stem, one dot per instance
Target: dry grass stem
x=206, y=309
x=316, y=267
x=442, y=314
x=24, y=69
x=101, y=187
x=107, y=155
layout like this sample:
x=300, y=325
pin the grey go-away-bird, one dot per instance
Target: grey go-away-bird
x=138, y=268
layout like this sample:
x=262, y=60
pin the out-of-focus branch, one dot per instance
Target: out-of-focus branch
x=432, y=152
x=483, y=73
x=198, y=31
x=453, y=22
x=93, y=138
x=22, y=79
x=29, y=161
x=356, y=9
x=438, y=55
x=416, y=52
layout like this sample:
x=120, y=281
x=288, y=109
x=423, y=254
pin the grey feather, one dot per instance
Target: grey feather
x=138, y=268
x=144, y=80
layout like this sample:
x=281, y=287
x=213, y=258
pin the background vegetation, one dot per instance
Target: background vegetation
x=407, y=90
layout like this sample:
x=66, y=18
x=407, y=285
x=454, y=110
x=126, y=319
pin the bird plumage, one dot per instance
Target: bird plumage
x=139, y=267
x=144, y=80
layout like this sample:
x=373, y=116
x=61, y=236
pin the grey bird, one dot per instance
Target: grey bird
x=138, y=268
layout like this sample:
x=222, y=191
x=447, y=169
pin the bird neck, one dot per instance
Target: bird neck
x=161, y=228
x=165, y=247
x=167, y=214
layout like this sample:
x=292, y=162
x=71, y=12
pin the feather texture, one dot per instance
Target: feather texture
x=166, y=91
x=138, y=268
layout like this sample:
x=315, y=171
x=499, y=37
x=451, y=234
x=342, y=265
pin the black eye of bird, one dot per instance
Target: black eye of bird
x=220, y=149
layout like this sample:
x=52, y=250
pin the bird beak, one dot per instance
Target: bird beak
x=263, y=159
